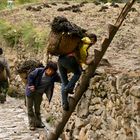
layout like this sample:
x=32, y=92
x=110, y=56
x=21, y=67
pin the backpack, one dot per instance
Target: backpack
x=62, y=43
x=26, y=67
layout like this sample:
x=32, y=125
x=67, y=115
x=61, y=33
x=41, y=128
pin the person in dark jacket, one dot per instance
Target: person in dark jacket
x=4, y=76
x=39, y=81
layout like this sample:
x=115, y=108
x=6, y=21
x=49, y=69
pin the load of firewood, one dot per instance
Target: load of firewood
x=64, y=37
x=28, y=65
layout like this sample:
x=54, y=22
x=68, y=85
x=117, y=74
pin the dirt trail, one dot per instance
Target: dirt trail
x=14, y=122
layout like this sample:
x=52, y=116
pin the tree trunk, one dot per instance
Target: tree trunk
x=89, y=72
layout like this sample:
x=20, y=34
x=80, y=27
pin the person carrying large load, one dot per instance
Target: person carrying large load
x=71, y=43
x=64, y=36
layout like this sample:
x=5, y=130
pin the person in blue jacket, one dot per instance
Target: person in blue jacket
x=39, y=81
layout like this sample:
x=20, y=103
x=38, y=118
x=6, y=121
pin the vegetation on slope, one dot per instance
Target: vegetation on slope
x=25, y=34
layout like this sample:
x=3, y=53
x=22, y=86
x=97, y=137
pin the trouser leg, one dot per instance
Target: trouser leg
x=71, y=64
x=73, y=80
x=3, y=90
x=29, y=104
x=38, y=100
x=64, y=79
x=63, y=71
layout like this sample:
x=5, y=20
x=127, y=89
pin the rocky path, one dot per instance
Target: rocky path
x=14, y=121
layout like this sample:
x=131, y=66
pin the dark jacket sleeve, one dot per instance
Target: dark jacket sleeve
x=32, y=77
x=50, y=89
x=49, y=92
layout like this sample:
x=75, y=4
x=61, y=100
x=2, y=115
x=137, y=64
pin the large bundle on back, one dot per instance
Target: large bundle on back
x=26, y=67
x=64, y=37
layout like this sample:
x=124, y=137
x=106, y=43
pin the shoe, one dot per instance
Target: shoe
x=68, y=90
x=40, y=126
x=66, y=106
x=32, y=128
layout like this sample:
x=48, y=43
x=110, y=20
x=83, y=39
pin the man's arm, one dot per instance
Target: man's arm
x=89, y=60
x=49, y=92
x=31, y=79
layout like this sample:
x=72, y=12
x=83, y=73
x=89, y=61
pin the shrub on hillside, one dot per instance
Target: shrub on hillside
x=10, y=34
x=3, y=4
x=26, y=1
x=32, y=37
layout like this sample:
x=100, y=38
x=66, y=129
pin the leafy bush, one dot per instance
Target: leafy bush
x=26, y=1
x=28, y=34
x=12, y=37
x=40, y=40
x=3, y=4
x=4, y=27
x=9, y=33
x=32, y=37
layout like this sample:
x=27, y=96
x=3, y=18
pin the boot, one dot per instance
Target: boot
x=32, y=128
x=31, y=123
x=39, y=123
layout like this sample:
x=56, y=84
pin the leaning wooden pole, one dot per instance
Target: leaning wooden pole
x=86, y=76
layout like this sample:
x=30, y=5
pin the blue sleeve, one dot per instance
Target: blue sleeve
x=32, y=77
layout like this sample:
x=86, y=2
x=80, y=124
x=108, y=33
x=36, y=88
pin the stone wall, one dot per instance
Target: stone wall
x=108, y=110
